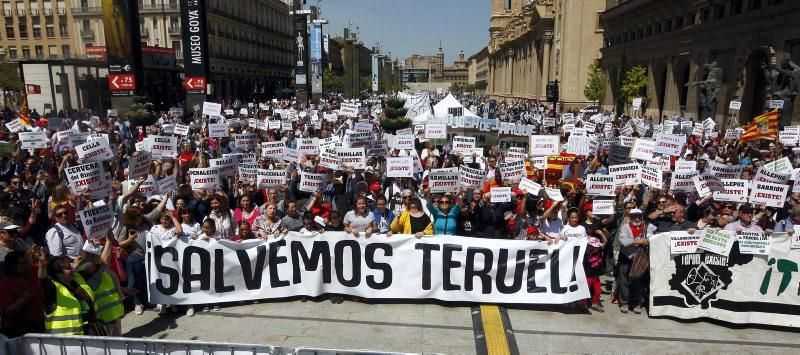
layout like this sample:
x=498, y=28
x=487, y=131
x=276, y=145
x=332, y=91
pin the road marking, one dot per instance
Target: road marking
x=656, y=338
x=494, y=336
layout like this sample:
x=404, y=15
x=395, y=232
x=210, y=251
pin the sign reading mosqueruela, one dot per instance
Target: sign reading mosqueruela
x=185, y=271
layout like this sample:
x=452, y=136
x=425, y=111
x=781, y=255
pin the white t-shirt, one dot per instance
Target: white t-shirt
x=158, y=231
x=573, y=232
x=551, y=229
x=193, y=230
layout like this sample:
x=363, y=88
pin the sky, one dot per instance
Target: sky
x=404, y=27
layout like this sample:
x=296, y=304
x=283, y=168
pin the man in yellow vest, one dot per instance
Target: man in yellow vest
x=104, y=284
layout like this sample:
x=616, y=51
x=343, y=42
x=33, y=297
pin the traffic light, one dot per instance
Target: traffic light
x=552, y=91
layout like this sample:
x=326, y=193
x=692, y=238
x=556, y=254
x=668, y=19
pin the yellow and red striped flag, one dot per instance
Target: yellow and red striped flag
x=24, y=116
x=762, y=127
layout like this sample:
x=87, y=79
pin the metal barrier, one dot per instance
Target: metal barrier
x=47, y=344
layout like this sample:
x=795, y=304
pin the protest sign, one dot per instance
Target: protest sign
x=530, y=186
x=163, y=146
x=148, y=187
x=212, y=109
x=404, y=142
x=705, y=285
x=218, y=130
x=54, y=123
x=683, y=182
x=32, y=140
x=669, y=144
x=310, y=182
x=329, y=159
x=544, y=145
x=443, y=181
x=399, y=167
x=167, y=185
x=290, y=155
x=436, y=131
x=226, y=167
x=15, y=126
x=139, y=165
x=579, y=145
x=248, y=141
x=97, y=221
x=717, y=241
x=724, y=171
x=652, y=177
x=463, y=145
x=626, y=174
x=363, y=126
x=600, y=185
x=352, y=157
x=684, y=242
x=619, y=154
x=782, y=165
x=181, y=129
x=642, y=149
x=554, y=194
x=500, y=194
x=358, y=139
x=773, y=195
x=706, y=184
x=82, y=177
x=515, y=154
x=349, y=110
x=732, y=133
x=603, y=207
x=735, y=105
x=308, y=146
x=398, y=267
x=96, y=150
x=271, y=179
x=776, y=104
x=765, y=175
x=755, y=243
x=471, y=178
x=329, y=143
x=273, y=150
x=204, y=178
x=512, y=171
x=733, y=190
x=248, y=173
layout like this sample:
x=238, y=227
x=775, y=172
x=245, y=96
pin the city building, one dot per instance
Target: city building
x=335, y=56
x=479, y=70
x=250, y=42
x=456, y=75
x=534, y=42
x=673, y=40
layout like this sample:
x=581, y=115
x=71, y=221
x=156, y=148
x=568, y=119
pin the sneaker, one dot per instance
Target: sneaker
x=614, y=298
x=597, y=307
x=623, y=309
x=206, y=309
x=337, y=299
x=190, y=312
x=161, y=309
x=215, y=308
x=637, y=310
x=139, y=309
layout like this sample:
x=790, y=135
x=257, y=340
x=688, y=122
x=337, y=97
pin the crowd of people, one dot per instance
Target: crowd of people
x=57, y=280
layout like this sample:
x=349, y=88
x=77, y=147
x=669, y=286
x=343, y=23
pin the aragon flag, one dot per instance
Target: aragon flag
x=762, y=127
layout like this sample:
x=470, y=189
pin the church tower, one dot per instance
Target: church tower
x=437, y=67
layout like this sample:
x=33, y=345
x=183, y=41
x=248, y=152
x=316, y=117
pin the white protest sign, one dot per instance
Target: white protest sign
x=500, y=194
x=273, y=150
x=436, y=131
x=735, y=105
x=363, y=126
x=204, y=178
x=776, y=104
x=270, y=179
x=15, y=126
x=471, y=178
x=97, y=222
x=96, y=150
x=579, y=145
x=705, y=184
x=329, y=143
x=733, y=190
x=290, y=155
x=554, y=194
x=148, y=187
x=717, y=241
x=352, y=157
x=443, y=181
x=619, y=154
x=212, y=109
x=600, y=185
x=603, y=207
x=773, y=195
x=399, y=167
x=329, y=159
x=246, y=141
x=669, y=144
x=530, y=186
x=404, y=142
x=248, y=173
x=139, y=165
x=782, y=165
x=308, y=146
x=755, y=243
x=163, y=146
x=349, y=110
x=226, y=167
x=181, y=129
x=684, y=243
x=625, y=174
x=765, y=175
x=218, y=130
x=652, y=177
x=310, y=182
x=463, y=145
x=724, y=171
x=637, y=103
x=512, y=171
x=683, y=182
x=167, y=184
x=642, y=149
x=33, y=140
x=544, y=145
x=81, y=177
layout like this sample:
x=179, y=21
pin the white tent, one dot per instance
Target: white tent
x=443, y=108
x=419, y=107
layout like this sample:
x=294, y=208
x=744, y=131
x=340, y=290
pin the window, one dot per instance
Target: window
x=705, y=15
x=23, y=30
x=719, y=11
x=155, y=23
x=62, y=30
x=12, y=52
x=736, y=9
x=668, y=26
x=37, y=31
x=51, y=31
x=754, y=5
x=52, y=51
x=658, y=28
x=85, y=25
x=39, y=51
x=26, y=52
x=9, y=31
x=679, y=23
x=66, y=51
x=507, y=4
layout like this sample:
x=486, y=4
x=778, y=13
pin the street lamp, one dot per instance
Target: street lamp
x=552, y=94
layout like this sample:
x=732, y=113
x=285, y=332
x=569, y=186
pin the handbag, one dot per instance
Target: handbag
x=641, y=262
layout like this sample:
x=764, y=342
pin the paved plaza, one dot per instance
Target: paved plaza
x=452, y=329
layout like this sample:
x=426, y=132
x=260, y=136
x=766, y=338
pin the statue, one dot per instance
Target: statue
x=709, y=88
x=300, y=49
x=784, y=86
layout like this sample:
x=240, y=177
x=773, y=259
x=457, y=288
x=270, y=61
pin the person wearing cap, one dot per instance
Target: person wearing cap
x=10, y=241
x=104, y=284
x=787, y=224
x=632, y=236
x=745, y=221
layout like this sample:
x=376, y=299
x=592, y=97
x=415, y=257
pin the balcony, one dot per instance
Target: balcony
x=8, y=13
x=61, y=11
x=159, y=8
x=174, y=30
x=34, y=12
x=21, y=12
x=144, y=32
x=87, y=11
x=48, y=12
x=87, y=34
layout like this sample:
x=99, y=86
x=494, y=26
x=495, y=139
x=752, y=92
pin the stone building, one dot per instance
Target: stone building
x=674, y=39
x=479, y=70
x=457, y=75
x=532, y=43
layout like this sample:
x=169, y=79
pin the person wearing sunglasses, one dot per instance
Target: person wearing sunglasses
x=445, y=214
x=64, y=238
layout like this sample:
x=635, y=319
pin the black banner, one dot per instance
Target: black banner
x=123, y=48
x=195, y=46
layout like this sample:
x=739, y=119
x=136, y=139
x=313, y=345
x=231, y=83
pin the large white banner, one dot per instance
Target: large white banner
x=740, y=288
x=460, y=269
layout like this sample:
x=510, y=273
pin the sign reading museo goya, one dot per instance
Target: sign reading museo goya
x=184, y=271
x=740, y=288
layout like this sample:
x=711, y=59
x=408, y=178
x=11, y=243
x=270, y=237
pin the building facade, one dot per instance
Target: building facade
x=250, y=42
x=479, y=70
x=456, y=75
x=532, y=43
x=674, y=39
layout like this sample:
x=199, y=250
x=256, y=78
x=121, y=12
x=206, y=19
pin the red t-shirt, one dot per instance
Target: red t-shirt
x=32, y=313
x=637, y=231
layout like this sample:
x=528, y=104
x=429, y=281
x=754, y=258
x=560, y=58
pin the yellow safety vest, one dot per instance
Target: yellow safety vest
x=67, y=318
x=107, y=302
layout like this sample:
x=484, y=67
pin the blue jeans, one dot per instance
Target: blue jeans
x=137, y=277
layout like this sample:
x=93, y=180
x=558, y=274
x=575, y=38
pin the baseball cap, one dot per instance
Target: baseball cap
x=8, y=226
x=374, y=187
x=746, y=208
x=407, y=193
x=636, y=211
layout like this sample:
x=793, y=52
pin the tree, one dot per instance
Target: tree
x=634, y=85
x=9, y=74
x=595, y=88
x=366, y=83
x=332, y=82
